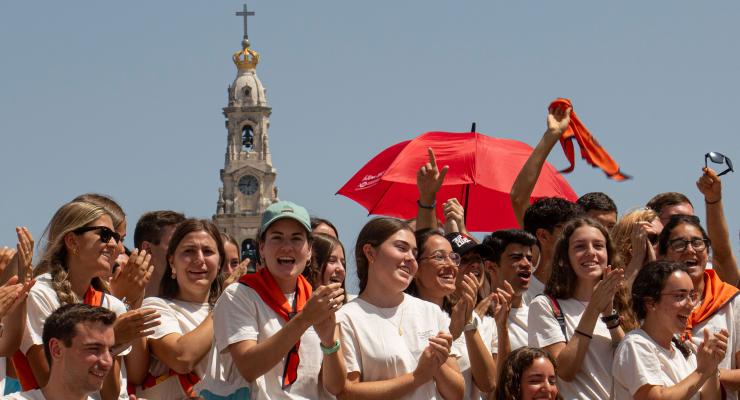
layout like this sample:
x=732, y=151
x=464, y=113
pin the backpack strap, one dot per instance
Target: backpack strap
x=557, y=313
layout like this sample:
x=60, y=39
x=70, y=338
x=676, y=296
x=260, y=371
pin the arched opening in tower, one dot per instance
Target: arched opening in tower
x=251, y=251
x=247, y=138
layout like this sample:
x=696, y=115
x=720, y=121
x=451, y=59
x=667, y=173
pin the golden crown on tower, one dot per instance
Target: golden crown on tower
x=246, y=58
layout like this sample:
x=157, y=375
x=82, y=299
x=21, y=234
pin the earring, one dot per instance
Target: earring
x=74, y=251
x=173, y=274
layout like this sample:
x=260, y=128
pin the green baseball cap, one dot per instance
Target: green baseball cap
x=285, y=209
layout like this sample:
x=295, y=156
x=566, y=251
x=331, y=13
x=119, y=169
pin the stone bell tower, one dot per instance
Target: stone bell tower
x=248, y=178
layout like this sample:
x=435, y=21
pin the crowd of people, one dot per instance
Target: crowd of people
x=579, y=303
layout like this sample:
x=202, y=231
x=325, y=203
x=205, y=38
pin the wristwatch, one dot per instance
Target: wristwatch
x=473, y=324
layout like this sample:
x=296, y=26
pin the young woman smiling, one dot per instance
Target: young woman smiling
x=684, y=240
x=581, y=287
x=328, y=264
x=178, y=349
x=651, y=362
x=528, y=373
x=435, y=281
x=271, y=327
x=79, y=254
x=393, y=345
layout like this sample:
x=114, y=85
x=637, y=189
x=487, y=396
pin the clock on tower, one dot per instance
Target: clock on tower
x=248, y=177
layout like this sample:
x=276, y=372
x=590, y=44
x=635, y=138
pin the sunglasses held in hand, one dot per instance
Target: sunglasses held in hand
x=718, y=158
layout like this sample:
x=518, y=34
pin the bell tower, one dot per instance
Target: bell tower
x=248, y=178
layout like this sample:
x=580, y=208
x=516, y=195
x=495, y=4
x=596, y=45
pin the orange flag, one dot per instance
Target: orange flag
x=591, y=150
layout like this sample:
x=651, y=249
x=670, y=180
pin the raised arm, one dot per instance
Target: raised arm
x=724, y=262
x=454, y=217
x=428, y=180
x=557, y=123
x=15, y=292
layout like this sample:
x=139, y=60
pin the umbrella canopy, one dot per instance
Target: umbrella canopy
x=481, y=172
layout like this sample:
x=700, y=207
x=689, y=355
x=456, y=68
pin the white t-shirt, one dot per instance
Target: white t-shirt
x=239, y=315
x=536, y=288
x=517, y=327
x=42, y=301
x=640, y=361
x=727, y=317
x=176, y=316
x=383, y=343
x=3, y=372
x=486, y=330
x=518, y=335
x=35, y=394
x=593, y=381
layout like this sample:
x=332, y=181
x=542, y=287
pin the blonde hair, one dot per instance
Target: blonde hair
x=69, y=217
x=111, y=206
x=622, y=231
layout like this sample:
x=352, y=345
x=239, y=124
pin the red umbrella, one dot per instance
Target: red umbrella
x=482, y=171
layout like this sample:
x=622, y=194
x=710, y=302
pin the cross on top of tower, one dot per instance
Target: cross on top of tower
x=245, y=14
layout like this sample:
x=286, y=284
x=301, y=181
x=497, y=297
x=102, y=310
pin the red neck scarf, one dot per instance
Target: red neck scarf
x=264, y=284
x=591, y=150
x=716, y=295
x=20, y=362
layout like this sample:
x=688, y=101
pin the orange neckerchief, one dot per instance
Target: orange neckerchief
x=264, y=284
x=716, y=295
x=187, y=382
x=20, y=362
x=591, y=150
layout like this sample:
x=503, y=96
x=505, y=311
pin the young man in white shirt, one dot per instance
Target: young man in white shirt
x=152, y=233
x=544, y=220
x=511, y=261
x=77, y=343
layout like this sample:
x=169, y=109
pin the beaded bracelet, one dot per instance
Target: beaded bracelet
x=330, y=350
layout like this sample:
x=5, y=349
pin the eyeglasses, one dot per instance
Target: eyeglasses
x=439, y=257
x=105, y=233
x=682, y=297
x=680, y=245
x=719, y=158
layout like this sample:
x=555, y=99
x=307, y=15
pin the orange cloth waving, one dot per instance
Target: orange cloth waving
x=716, y=295
x=591, y=150
x=264, y=284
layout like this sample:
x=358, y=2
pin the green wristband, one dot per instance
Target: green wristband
x=330, y=350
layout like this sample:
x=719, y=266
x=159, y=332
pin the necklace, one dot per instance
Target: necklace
x=389, y=318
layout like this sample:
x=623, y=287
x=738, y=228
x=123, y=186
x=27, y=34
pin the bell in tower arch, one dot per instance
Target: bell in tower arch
x=247, y=138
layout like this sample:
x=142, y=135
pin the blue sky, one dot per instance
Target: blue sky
x=126, y=98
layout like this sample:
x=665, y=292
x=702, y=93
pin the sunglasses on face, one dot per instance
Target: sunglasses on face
x=105, y=233
x=718, y=158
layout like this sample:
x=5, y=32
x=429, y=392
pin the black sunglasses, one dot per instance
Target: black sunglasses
x=719, y=158
x=105, y=233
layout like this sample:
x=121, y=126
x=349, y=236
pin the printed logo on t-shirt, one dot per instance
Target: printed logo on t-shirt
x=425, y=335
